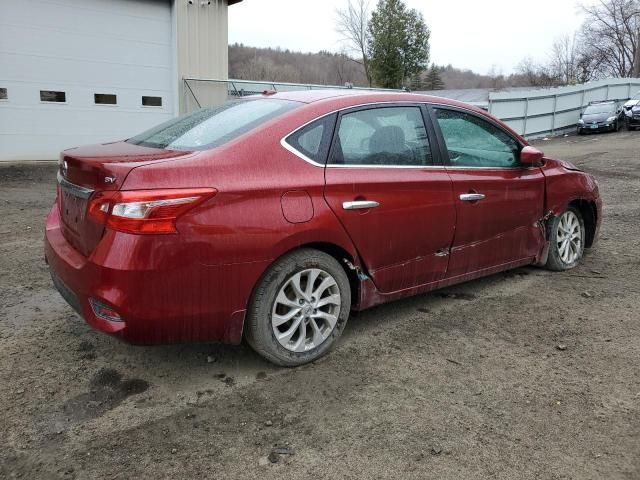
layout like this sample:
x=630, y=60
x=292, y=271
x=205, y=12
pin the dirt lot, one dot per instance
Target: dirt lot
x=526, y=374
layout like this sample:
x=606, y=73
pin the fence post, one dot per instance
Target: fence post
x=526, y=114
x=184, y=97
x=192, y=94
x=233, y=84
x=555, y=108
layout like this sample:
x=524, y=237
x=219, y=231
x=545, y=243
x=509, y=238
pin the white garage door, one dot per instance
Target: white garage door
x=82, y=71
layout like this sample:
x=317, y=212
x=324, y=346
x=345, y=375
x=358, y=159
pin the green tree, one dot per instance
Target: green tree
x=433, y=80
x=398, y=43
x=417, y=82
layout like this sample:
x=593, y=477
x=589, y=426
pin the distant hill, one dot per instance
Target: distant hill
x=275, y=64
x=327, y=68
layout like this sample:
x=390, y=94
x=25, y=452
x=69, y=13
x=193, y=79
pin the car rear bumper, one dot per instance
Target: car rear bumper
x=158, y=299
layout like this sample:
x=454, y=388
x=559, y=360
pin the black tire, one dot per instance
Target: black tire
x=554, y=260
x=627, y=124
x=580, y=132
x=259, y=331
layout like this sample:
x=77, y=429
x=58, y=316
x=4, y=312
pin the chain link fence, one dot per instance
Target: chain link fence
x=199, y=92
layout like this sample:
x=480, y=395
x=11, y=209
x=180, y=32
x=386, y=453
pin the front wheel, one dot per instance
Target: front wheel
x=566, y=241
x=299, y=308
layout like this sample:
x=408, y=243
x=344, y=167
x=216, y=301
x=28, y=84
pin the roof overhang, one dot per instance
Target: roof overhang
x=233, y=2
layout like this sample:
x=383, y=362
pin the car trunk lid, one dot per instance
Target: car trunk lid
x=84, y=171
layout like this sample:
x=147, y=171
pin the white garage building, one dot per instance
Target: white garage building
x=85, y=71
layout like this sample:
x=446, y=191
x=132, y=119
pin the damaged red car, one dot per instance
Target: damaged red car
x=273, y=217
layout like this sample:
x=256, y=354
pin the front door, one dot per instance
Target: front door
x=395, y=202
x=498, y=202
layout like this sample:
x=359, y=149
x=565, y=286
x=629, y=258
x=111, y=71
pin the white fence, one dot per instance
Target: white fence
x=535, y=113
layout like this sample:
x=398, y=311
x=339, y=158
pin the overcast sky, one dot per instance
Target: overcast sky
x=472, y=34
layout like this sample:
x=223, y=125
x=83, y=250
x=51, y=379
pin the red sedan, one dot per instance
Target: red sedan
x=273, y=217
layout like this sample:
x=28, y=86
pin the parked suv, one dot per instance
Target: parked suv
x=631, y=111
x=599, y=116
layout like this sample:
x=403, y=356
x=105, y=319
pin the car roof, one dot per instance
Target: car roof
x=346, y=97
x=603, y=102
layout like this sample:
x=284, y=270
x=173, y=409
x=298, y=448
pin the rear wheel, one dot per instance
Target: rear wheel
x=566, y=240
x=299, y=308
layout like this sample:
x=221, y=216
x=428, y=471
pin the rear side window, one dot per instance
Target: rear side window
x=393, y=136
x=474, y=142
x=212, y=127
x=313, y=140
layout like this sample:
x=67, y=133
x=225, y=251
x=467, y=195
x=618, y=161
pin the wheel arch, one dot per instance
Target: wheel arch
x=589, y=212
x=349, y=263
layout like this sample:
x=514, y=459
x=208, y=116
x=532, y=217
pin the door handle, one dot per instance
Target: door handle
x=359, y=205
x=471, y=197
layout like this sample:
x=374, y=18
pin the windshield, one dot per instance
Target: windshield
x=595, y=109
x=212, y=127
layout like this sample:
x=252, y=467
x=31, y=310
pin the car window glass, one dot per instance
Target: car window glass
x=313, y=140
x=596, y=109
x=310, y=140
x=473, y=142
x=394, y=136
x=212, y=127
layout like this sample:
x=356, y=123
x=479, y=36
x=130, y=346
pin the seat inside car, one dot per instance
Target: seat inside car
x=389, y=141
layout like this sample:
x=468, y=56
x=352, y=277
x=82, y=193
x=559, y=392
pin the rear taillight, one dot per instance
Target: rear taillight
x=145, y=211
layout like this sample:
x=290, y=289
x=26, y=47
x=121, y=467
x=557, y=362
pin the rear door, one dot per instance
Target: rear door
x=498, y=202
x=385, y=184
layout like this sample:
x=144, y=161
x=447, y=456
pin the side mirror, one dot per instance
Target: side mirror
x=531, y=157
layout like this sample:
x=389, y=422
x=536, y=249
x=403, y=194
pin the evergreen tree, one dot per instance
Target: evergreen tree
x=398, y=44
x=433, y=81
x=416, y=83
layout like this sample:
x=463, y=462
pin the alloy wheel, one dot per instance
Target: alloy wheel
x=306, y=310
x=569, y=237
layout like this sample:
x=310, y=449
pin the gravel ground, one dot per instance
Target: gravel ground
x=527, y=374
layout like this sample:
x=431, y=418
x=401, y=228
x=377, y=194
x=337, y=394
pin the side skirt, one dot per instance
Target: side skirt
x=370, y=296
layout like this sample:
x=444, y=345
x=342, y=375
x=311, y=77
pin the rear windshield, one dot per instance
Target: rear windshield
x=595, y=109
x=212, y=127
